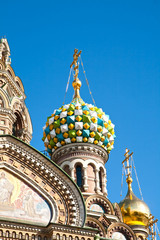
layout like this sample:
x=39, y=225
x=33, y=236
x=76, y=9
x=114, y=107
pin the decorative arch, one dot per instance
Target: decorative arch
x=10, y=71
x=121, y=228
x=101, y=201
x=94, y=223
x=47, y=178
x=16, y=182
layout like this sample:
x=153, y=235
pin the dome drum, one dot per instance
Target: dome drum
x=81, y=150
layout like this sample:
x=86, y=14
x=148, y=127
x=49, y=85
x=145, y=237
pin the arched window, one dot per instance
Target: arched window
x=33, y=237
x=14, y=234
x=20, y=235
x=101, y=173
x=79, y=175
x=17, y=126
x=70, y=237
x=57, y=236
x=27, y=236
x=7, y=234
x=64, y=237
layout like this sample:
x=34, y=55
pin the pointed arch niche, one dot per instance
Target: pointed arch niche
x=18, y=125
x=21, y=202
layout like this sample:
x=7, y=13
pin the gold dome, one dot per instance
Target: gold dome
x=134, y=210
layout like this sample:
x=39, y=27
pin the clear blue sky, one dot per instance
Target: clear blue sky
x=120, y=43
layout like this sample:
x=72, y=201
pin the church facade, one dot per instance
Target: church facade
x=63, y=197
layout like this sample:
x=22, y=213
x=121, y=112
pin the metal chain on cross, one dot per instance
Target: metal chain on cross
x=157, y=230
x=123, y=170
x=67, y=84
x=87, y=82
x=137, y=177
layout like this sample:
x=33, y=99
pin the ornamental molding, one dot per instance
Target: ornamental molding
x=46, y=173
x=80, y=149
x=8, y=112
x=50, y=228
x=4, y=74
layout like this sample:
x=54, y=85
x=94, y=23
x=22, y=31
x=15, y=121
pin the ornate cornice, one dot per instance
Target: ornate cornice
x=50, y=228
x=80, y=149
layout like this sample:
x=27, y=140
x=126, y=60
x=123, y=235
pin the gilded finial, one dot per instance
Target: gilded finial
x=129, y=179
x=76, y=83
x=150, y=224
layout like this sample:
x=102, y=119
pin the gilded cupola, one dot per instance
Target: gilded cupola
x=134, y=210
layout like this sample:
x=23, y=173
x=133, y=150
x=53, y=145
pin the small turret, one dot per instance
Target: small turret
x=135, y=212
x=14, y=116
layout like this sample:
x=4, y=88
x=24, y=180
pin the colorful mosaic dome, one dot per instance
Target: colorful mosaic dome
x=78, y=122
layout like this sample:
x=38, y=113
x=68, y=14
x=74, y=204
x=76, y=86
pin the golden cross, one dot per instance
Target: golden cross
x=76, y=55
x=129, y=178
x=76, y=83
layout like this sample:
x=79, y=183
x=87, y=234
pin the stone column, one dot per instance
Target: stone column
x=104, y=185
x=72, y=173
x=97, y=188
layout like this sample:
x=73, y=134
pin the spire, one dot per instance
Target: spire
x=76, y=83
x=129, y=179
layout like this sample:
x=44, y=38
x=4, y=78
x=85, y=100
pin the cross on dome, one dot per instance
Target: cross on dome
x=76, y=83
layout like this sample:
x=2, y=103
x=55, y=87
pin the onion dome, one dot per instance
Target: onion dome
x=78, y=122
x=134, y=210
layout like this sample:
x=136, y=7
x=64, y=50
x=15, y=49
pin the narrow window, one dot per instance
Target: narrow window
x=100, y=179
x=79, y=175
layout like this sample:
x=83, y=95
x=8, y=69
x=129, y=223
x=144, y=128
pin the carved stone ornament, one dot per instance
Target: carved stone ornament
x=122, y=229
